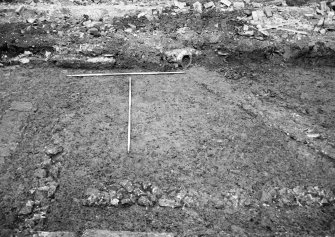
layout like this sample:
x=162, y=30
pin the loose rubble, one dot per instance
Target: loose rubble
x=34, y=212
x=126, y=193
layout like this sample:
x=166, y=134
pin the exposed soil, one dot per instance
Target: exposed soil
x=249, y=121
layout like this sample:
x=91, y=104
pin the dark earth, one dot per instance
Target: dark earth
x=247, y=134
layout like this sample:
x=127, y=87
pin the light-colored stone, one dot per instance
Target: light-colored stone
x=165, y=202
x=257, y=15
x=107, y=233
x=54, y=234
x=197, y=6
x=180, y=5
x=208, y=5
x=268, y=12
x=238, y=5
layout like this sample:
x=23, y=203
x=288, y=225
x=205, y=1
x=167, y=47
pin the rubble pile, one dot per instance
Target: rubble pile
x=34, y=212
x=298, y=196
x=127, y=193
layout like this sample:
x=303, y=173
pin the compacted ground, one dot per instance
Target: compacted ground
x=236, y=146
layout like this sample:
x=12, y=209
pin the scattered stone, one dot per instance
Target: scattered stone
x=268, y=12
x=126, y=201
x=24, y=60
x=144, y=201
x=226, y=2
x=238, y=5
x=197, y=6
x=127, y=185
x=53, y=150
x=323, y=31
x=314, y=135
x=267, y=196
x=257, y=4
x=208, y=5
x=128, y=30
x=165, y=202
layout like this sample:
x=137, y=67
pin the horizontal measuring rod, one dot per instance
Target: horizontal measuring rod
x=124, y=74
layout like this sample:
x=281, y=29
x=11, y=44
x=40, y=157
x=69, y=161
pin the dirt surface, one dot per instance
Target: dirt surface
x=242, y=144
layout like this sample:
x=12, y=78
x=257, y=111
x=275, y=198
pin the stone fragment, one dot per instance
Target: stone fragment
x=208, y=5
x=127, y=201
x=53, y=150
x=40, y=173
x=268, y=12
x=138, y=191
x=156, y=191
x=180, y=5
x=323, y=31
x=321, y=21
x=114, y=201
x=31, y=20
x=128, y=30
x=54, y=234
x=257, y=4
x=226, y=2
x=94, y=31
x=27, y=209
x=257, y=15
x=323, y=6
x=127, y=185
x=144, y=201
x=165, y=202
x=197, y=7
x=52, y=189
x=238, y=5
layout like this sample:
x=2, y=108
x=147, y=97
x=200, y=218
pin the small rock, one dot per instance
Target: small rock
x=138, y=192
x=257, y=15
x=19, y=9
x=27, y=209
x=257, y=4
x=247, y=12
x=40, y=173
x=164, y=202
x=127, y=185
x=238, y=5
x=132, y=26
x=180, y=195
x=180, y=5
x=24, y=60
x=142, y=14
x=60, y=33
x=52, y=189
x=197, y=6
x=226, y=2
x=114, y=202
x=208, y=5
x=323, y=31
x=268, y=12
x=267, y=196
x=155, y=190
x=126, y=201
x=53, y=150
x=323, y=6
x=321, y=21
x=31, y=20
x=94, y=31
x=144, y=201
x=128, y=30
